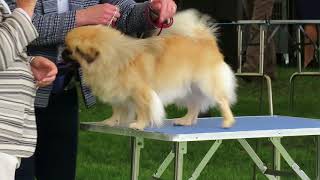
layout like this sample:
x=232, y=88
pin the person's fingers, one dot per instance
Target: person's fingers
x=163, y=11
x=112, y=15
x=46, y=67
x=168, y=11
x=50, y=71
x=41, y=84
x=53, y=71
x=173, y=9
x=109, y=13
x=156, y=6
x=109, y=7
x=117, y=14
x=114, y=20
x=48, y=79
x=45, y=82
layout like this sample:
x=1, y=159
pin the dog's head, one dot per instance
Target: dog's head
x=88, y=44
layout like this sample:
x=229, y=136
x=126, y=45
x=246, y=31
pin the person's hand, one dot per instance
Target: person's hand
x=44, y=71
x=27, y=6
x=98, y=14
x=166, y=9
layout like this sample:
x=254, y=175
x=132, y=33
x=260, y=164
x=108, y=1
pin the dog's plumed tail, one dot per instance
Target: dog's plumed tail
x=192, y=23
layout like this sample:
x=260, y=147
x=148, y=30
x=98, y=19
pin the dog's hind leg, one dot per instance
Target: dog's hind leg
x=190, y=118
x=221, y=89
x=149, y=108
x=224, y=105
x=228, y=119
x=195, y=101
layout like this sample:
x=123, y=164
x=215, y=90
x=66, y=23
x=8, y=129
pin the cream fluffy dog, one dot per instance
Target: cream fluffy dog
x=138, y=77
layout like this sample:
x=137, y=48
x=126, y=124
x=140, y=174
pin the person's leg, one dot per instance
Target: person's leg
x=26, y=169
x=252, y=35
x=270, y=64
x=311, y=32
x=56, y=152
x=262, y=9
x=247, y=8
x=8, y=166
x=252, y=52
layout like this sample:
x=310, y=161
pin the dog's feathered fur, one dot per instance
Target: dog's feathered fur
x=139, y=76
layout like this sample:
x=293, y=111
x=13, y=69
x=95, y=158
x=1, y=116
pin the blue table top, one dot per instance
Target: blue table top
x=210, y=129
x=244, y=123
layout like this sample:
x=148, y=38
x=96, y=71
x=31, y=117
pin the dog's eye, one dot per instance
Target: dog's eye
x=89, y=56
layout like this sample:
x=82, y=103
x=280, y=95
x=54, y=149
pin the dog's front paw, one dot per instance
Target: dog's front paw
x=136, y=125
x=228, y=123
x=182, y=122
x=110, y=122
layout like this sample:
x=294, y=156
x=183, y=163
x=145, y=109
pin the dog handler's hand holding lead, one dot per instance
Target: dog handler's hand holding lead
x=165, y=9
x=113, y=18
x=98, y=14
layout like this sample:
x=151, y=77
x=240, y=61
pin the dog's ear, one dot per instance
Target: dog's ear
x=90, y=56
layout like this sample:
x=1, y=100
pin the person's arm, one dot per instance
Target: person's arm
x=16, y=32
x=133, y=17
x=54, y=27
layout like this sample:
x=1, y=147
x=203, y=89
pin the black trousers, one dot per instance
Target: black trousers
x=56, y=151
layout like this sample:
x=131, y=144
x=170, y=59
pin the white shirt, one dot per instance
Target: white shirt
x=63, y=6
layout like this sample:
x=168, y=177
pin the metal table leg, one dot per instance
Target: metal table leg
x=292, y=80
x=136, y=146
x=164, y=165
x=261, y=51
x=205, y=160
x=299, y=71
x=262, y=167
x=180, y=149
x=276, y=142
x=269, y=86
x=240, y=37
x=277, y=159
x=318, y=157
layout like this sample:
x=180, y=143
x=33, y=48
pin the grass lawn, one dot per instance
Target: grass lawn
x=107, y=157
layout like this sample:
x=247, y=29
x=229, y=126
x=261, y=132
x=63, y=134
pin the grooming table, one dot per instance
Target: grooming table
x=272, y=127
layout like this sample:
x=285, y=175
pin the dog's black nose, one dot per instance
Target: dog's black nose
x=66, y=55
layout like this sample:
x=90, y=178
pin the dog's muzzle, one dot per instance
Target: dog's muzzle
x=66, y=55
x=68, y=62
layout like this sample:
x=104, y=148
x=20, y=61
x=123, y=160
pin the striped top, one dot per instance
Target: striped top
x=17, y=87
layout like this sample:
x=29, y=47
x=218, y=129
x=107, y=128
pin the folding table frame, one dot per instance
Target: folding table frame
x=271, y=127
